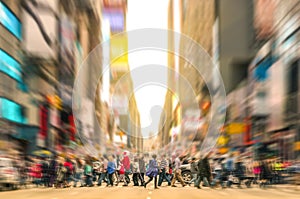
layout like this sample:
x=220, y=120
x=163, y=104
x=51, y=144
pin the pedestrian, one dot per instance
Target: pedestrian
x=45, y=172
x=203, y=171
x=60, y=175
x=152, y=172
x=265, y=175
x=126, y=162
x=218, y=170
x=177, y=173
x=163, y=170
x=121, y=176
x=256, y=171
x=36, y=173
x=111, y=167
x=69, y=166
x=103, y=176
x=194, y=171
x=88, y=173
x=142, y=168
x=249, y=172
x=136, y=172
x=53, y=170
x=79, y=170
x=239, y=171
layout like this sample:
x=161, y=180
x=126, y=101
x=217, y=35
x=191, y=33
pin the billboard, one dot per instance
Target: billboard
x=116, y=19
x=67, y=58
x=119, y=46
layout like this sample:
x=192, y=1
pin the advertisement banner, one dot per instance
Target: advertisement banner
x=236, y=128
x=116, y=19
x=67, y=58
x=119, y=46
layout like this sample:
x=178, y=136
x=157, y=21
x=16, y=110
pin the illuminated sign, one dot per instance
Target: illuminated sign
x=118, y=47
x=116, y=19
x=11, y=111
x=10, y=21
x=10, y=66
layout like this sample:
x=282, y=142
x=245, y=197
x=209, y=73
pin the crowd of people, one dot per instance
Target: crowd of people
x=140, y=171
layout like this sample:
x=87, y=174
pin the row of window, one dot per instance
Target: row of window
x=12, y=111
x=9, y=20
x=8, y=65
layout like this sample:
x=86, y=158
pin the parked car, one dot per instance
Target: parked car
x=9, y=176
x=292, y=174
x=186, y=172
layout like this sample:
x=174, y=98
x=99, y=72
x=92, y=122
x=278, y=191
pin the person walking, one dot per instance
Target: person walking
x=256, y=171
x=142, y=168
x=239, y=171
x=163, y=170
x=203, y=172
x=152, y=172
x=45, y=172
x=102, y=170
x=194, y=171
x=136, y=172
x=121, y=176
x=88, y=173
x=177, y=173
x=53, y=170
x=111, y=167
x=218, y=170
x=79, y=170
x=69, y=166
x=126, y=162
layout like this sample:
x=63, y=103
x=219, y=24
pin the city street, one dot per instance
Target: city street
x=149, y=193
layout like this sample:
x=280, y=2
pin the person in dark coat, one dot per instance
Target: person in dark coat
x=203, y=171
x=239, y=171
x=53, y=166
x=265, y=174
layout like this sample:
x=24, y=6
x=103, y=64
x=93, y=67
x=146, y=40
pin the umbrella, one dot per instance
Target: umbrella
x=43, y=153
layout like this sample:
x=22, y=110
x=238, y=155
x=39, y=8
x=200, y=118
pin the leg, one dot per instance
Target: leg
x=135, y=179
x=150, y=179
x=174, y=179
x=110, y=179
x=141, y=178
x=180, y=178
x=160, y=179
x=155, y=182
x=166, y=177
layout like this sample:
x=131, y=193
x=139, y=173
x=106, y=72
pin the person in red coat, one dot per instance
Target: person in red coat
x=126, y=163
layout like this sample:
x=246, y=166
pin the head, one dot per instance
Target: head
x=110, y=158
x=154, y=156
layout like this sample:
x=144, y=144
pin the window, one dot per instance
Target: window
x=10, y=21
x=12, y=111
x=293, y=78
x=10, y=66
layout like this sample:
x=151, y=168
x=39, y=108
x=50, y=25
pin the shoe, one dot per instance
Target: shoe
x=125, y=185
x=173, y=186
x=183, y=185
x=198, y=187
x=145, y=185
x=156, y=188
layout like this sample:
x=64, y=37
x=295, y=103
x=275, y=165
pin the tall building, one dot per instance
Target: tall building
x=125, y=113
x=195, y=20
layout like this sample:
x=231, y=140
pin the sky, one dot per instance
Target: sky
x=148, y=14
